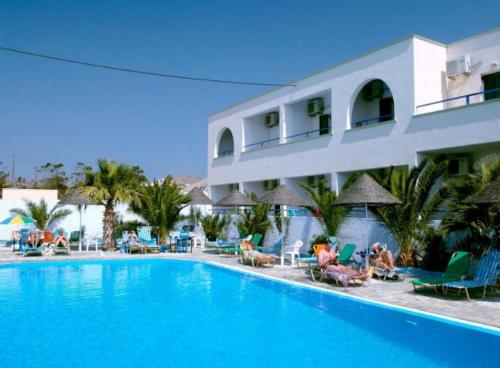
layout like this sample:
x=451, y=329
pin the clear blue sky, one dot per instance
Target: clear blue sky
x=51, y=111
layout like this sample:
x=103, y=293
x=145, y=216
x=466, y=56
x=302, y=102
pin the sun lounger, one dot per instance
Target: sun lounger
x=145, y=238
x=275, y=249
x=256, y=258
x=344, y=258
x=457, y=268
x=344, y=276
x=488, y=270
x=389, y=274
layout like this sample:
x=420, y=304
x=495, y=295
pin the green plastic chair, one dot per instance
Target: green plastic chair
x=346, y=253
x=256, y=238
x=457, y=268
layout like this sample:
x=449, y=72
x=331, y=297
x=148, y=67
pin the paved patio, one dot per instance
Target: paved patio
x=399, y=293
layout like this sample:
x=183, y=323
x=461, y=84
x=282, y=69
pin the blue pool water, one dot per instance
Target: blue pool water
x=162, y=313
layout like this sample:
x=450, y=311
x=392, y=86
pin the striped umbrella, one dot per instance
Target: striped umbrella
x=17, y=220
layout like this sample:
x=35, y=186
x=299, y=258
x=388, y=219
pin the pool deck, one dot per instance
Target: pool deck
x=399, y=293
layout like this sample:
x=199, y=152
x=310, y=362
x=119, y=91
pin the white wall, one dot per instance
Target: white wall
x=92, y=218
x=29, y=194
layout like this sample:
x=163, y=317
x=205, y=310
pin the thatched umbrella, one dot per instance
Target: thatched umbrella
x=489, y=195
x=75, y=197
x=365, y=191
x=235, y=199
x=283, y=196
x=199, y=198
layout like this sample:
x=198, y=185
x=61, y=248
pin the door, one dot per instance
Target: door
x=492, y=84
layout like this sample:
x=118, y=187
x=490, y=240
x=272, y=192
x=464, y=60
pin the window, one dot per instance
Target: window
x=386, y=109
x=325, y=122
x=491, y=83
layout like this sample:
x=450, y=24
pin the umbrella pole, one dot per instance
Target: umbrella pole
x=282, y=241
x=80, y=233
x=366, y=236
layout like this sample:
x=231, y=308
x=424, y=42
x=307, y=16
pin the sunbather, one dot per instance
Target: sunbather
x=132, y=239
x=327, y=256
x=361, y=274
x=61, y=239
x=382, y=257
x=257, y=258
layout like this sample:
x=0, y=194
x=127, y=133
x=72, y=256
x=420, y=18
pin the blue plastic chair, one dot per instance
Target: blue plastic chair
x=183, y=242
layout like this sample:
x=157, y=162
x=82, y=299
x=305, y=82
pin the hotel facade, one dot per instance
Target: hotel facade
x=410, y=100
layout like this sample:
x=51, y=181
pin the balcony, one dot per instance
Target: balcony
x=308, y=135
x=372, y=120
x=262, y=144
x=459, y=101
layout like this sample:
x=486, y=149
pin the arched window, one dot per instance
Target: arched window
x=225, y=146
x=373, y=104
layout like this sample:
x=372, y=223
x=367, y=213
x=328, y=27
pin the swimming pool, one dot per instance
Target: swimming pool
x=166, y=313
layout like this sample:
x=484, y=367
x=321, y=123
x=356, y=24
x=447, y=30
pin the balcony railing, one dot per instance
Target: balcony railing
x=262, y=144
x=307, y=135
x=458, y=101
x=373, y=120
x=225, y=153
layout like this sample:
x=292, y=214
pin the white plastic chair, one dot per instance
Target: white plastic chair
x=294, y=251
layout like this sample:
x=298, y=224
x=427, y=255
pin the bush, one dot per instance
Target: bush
x=213, y=225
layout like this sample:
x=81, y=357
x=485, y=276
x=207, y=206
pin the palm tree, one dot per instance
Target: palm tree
x=409, y=223
x=109, y=184
x=160, y=204
x=255, y=220
x=42, y=217
x=330, y=215
x=214, y=224
x=467, y=226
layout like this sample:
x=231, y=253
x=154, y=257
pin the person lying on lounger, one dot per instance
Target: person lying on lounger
x=327, y=256
x=361, y=274
x=382, y=257
x=61, y=239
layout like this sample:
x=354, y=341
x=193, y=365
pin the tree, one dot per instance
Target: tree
x=214, y=224
x=109, y=184
x=255, y=220
x=54, y=176
x=409, y=223
x=468, y=226
x=330, y=216
x=41, y=215
x=160, y=204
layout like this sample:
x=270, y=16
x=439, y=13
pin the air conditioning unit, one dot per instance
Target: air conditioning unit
x=234, y=186
x=315, y=107
x=459, y=66
x=272, y=119
x=458, y=166
x=270, y=184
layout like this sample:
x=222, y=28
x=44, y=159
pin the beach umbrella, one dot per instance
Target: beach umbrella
x=283, y=196
x=366, y=192
x=75, y=197
x=489, y=195
x=235, y=199
x=17, y=220
x=198, y=198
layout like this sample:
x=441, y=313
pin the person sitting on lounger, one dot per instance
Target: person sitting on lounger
x=382, y=257
x=132, y=239
x=61, y=239
x=327, y=256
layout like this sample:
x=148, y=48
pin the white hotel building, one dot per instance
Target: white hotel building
x=411, y=99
